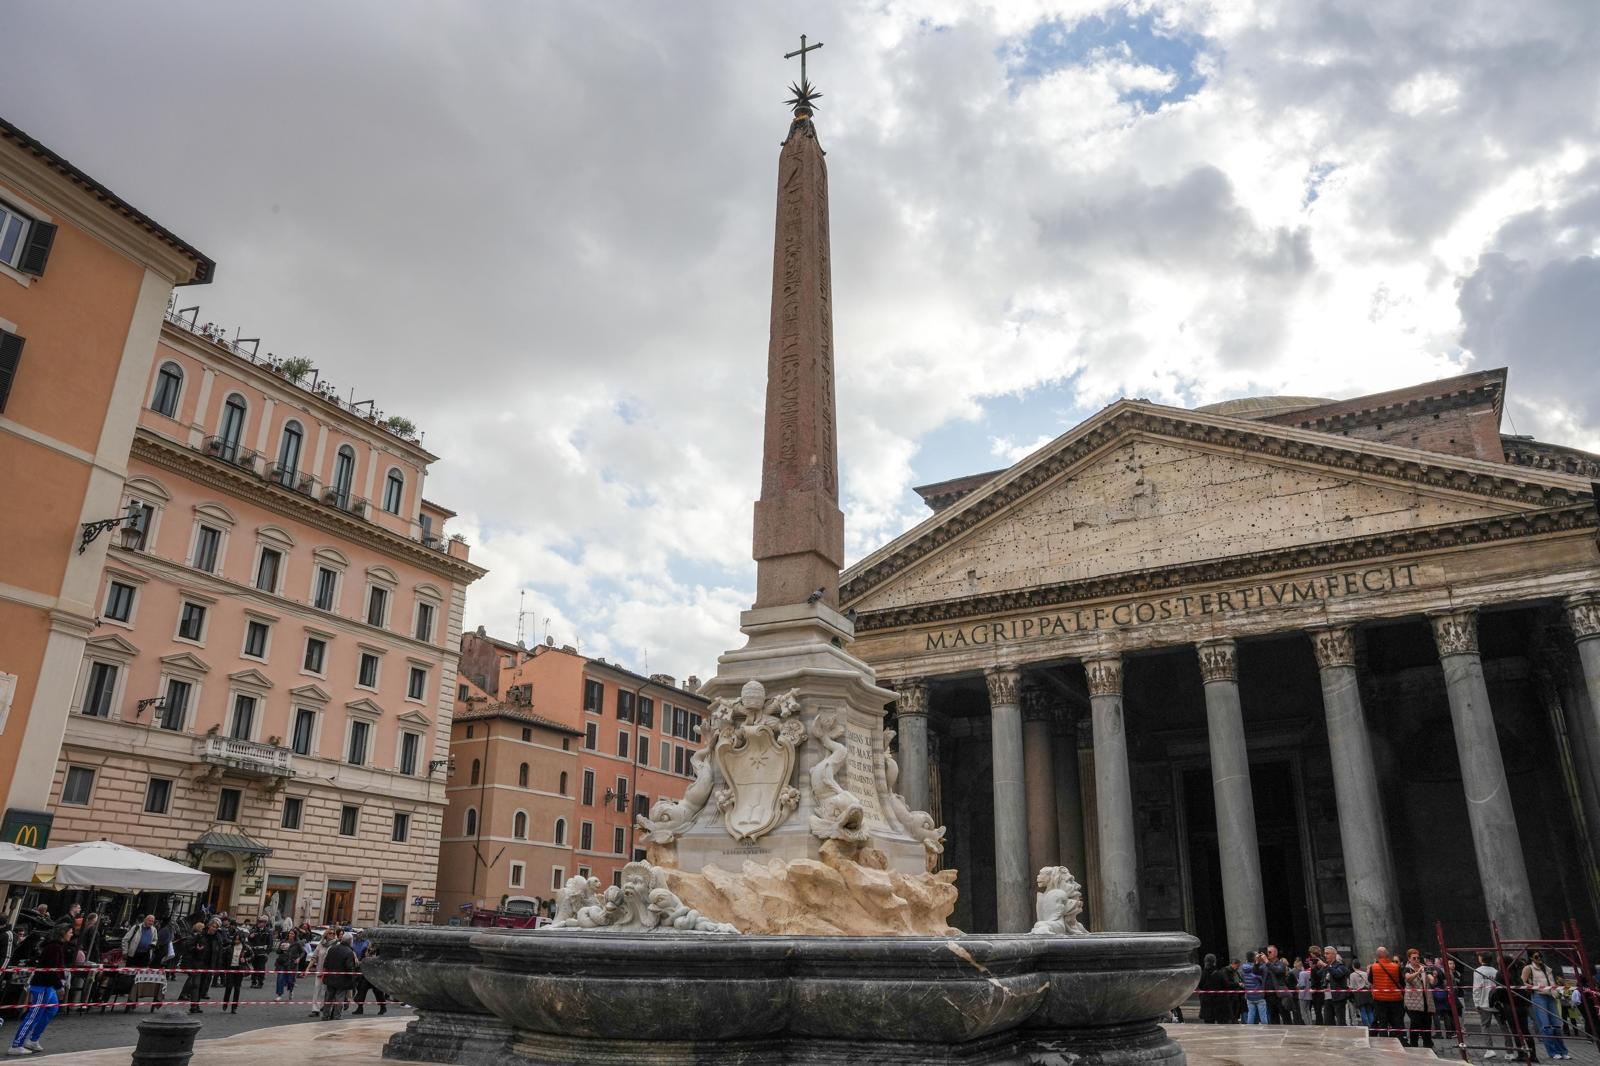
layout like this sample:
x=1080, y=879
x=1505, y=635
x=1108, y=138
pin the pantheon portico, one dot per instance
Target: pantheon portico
x=1280, y=671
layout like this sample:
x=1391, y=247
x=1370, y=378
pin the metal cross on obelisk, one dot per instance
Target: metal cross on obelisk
x=801, y=52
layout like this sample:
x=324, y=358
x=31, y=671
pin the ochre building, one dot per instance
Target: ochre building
x=1281, y=670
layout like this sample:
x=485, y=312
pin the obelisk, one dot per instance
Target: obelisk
x=799, y=529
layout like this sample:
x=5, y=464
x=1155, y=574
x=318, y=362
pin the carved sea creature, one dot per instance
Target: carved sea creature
x=669, y=818
x=641, y=903
x=840, y=815
x=1059, y=903
x=918, y=825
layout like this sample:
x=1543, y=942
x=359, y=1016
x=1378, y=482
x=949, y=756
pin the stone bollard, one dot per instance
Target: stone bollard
x=166, y=1040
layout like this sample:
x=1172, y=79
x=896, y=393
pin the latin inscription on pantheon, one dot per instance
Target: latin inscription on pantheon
x=1369, y=581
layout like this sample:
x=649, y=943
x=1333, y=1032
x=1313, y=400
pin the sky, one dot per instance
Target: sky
x=543, y=233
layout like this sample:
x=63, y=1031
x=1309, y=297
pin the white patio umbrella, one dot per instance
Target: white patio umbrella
x=105, y=864
x=17, y=863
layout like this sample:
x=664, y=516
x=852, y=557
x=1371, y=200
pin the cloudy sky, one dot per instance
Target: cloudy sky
x=543, y=232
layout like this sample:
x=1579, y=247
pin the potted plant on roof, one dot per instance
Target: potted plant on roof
x=296, y=368
x=401, y=425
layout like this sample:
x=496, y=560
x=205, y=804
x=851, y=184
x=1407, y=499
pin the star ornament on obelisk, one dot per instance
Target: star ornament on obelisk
x=799, y=529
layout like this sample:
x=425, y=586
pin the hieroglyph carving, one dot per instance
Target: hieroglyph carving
x=1058, y=904
x=641, y=903
x=918, y=825
x=1004, y=684
x=1584, y=615
x=1105, y=676
x=753, y=742
x=1456, y=632
x=670, y=818
x=1333, y=647
x=1218, y=661
x=840, y=815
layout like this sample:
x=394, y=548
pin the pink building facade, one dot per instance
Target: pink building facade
x=269, y=691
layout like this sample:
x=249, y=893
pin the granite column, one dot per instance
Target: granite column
x=1013, y=882
x=1038, y=762
x=1583, y=613
x=911, y=724
x=1118, y=907
x=1069, y=792
x=1242, y=900
x=1495, y=840
x=1368, y=869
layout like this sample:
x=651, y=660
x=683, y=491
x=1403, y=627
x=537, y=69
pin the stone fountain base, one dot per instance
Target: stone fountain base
x=567, y=998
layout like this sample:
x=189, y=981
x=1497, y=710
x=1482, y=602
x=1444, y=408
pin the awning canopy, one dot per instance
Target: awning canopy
x=236, y=843
x=17, y=863
x=105, y=864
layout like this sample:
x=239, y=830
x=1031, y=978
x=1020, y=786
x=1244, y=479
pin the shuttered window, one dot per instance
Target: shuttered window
x=10, y=357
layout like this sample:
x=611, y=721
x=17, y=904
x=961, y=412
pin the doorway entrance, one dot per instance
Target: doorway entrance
x=219, y=894
x=339, y=902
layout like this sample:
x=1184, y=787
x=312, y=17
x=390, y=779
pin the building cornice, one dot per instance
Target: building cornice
x=1389, y=545
x=159, y=451
x=1127, y=418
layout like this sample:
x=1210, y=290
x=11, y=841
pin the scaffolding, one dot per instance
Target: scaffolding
x=1562, y=954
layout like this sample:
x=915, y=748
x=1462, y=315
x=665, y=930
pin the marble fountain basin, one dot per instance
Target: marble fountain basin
x=567, y=997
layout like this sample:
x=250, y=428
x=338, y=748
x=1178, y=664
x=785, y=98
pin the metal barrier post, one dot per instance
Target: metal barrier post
x=167, y=1039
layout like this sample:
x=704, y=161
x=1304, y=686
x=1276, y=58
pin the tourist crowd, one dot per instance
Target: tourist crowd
x=1408, y=999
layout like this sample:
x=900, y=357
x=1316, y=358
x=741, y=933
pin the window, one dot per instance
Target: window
x=593, y=693
x=402, y=827
x=621, y=793
x=644, y=751
x=349, y=820
x=157, y=795
x=192, y=622
x=136, y=534
x=169, y=384
x=622, y=744
x=228, y=805
x=417, y=683
x=119, y=601
x=244, y=717
x=289, y=453
x=359, y=733
x=175, y=708
x=522, y=776
x=641, y=803
x=586, y=837
x=425, y=621
x=410, y=746
x=694, y=726
x=666, y=755
x=647, y=712
x=344, y=472
x=477, y=770
x=562, y=784
x=678, y=760
x=519, y=826
x=102, y=686
x=561, y=831
x=558, y=877
x=305, y=731
x=232, y=428
x=327, y=587
x=469, y=732
x=591, y=737
x=461, y=692
x=588, y=788
x=24, y=241
x=616, y=839
x=583, y=872
x=267, y=568
x=207, y=541
x=367, y=674
x=392, y=904
x=527, y=734
x=255, y=639
x=517, y=870
x=77, y=786
x=377, y=606
x=394, y=487
x=316, y=654
x=680, y=722
x=293, y=808
x=472, y=822
x=624, y=706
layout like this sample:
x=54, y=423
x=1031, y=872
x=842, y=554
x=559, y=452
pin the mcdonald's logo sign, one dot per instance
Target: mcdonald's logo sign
x=31, y=829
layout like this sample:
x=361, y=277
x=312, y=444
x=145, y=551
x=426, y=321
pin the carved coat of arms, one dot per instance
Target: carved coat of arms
x=754, y=741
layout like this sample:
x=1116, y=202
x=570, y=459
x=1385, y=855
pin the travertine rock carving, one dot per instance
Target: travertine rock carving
x=1059, y=903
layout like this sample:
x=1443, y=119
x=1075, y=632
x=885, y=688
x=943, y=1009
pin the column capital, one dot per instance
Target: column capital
x=1037, y=704
x=1004, y=683
x=1333, y=646
x=1583, y=614
x=1218, y=660
x=1105, y=675
x=1455, y=631
x=911, y=697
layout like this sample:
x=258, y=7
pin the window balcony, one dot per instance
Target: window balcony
x=229, y=451
x=291, y=479
x=246, y=757
x=333, y=497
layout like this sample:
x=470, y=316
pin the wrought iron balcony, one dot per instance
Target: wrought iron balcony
x=229, y=451
x=246, y=757
x=334, y=497
x=290, y=478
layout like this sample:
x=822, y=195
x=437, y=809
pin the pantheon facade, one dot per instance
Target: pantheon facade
x=1283, y=670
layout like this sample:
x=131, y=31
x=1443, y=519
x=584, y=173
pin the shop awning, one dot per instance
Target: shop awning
x=105, y=864
x=17, y=863
x=235, y=843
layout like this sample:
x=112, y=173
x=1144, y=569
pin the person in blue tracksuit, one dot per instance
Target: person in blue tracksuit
x=49, y=976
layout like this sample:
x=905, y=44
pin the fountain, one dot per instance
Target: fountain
x=790, y=908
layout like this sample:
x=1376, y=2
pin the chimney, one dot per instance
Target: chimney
x=666, y=680
x=692, y=684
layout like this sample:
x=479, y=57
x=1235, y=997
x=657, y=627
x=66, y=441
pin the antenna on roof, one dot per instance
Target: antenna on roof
x=192, y=312
x=522, y=613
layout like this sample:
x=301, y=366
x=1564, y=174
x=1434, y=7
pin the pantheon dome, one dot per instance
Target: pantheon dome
x=1262, y=406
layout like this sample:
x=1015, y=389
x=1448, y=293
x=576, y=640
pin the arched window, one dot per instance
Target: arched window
x=519, y=826
x=344, y=474
x=289, y=453
x=522, y=776
x=561, y=830
x=477, y=767
x=233, y=412
x=394, y=487
x=169, y=384
x=472, y=821
x=563, y=782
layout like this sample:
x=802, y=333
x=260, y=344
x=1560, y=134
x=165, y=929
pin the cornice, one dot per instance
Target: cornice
x=161, y=452
x=1490, y=391
x=1402, y=542
x=1128, y=417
